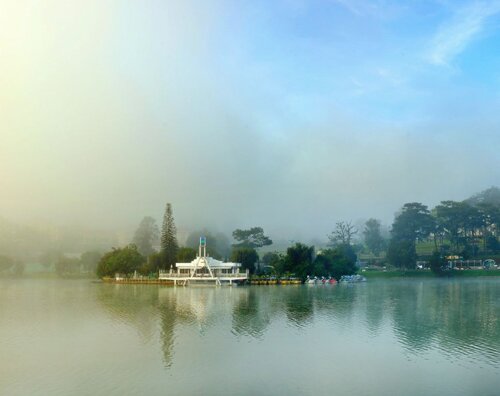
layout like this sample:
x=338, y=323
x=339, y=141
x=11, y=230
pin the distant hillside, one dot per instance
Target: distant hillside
x=28, y=241
x=489, y=196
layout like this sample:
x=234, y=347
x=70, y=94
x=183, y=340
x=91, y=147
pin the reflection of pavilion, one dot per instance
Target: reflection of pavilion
x=205, y=269
x=200, y=305
x=207, y=307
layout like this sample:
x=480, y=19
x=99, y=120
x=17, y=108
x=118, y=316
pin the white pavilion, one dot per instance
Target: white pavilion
x=205, y=269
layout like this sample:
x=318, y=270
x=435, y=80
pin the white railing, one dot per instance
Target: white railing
x=168, y=274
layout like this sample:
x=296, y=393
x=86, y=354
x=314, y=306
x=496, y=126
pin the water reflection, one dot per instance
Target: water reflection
x=252, y=312
x=459, y=318
x=75, y=337
x=299, y=305
x=169, y=314
x=377, y=306
x=134, y=305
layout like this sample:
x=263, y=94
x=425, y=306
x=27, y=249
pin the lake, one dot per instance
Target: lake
x=382, y=337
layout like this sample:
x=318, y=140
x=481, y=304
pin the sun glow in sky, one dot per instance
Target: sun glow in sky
x=286, y=114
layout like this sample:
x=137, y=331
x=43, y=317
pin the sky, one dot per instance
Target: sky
x=286, y=114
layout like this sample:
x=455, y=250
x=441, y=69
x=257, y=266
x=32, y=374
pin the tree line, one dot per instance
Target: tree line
x=464, y=228
x=468, y=229
x=299, y=260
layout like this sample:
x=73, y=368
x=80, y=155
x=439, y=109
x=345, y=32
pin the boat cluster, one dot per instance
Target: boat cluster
x=320, y=281
x=332, y=281
x=272, y=280
x=352, y=278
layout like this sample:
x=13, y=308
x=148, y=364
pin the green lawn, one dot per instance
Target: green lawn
x=425, y=248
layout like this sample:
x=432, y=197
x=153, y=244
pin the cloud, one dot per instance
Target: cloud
x=453, y=37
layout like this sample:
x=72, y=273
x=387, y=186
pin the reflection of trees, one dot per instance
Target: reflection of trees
x=414, y=321
x=344, y=301
x=187, y=306
x=299, y=304
x=248, y=316
x=168, y=316
x=459, y=316
x=471, y=317
x=257, y=306
x=376, y=304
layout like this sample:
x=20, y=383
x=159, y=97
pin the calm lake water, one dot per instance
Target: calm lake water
x=386, y=337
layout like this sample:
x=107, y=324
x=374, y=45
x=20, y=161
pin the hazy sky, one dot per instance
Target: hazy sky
x=291, y=115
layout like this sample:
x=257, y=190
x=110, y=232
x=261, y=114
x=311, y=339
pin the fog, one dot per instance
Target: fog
x=290, y=116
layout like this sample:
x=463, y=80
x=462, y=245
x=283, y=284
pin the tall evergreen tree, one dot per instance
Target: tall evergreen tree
x=169, y=245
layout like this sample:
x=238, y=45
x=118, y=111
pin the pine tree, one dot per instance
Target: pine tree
x=169, y=245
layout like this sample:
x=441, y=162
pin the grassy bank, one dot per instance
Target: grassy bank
x=428, y=274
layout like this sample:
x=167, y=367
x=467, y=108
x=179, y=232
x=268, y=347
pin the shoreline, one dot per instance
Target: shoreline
x=429, y=274
x=394, y=274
